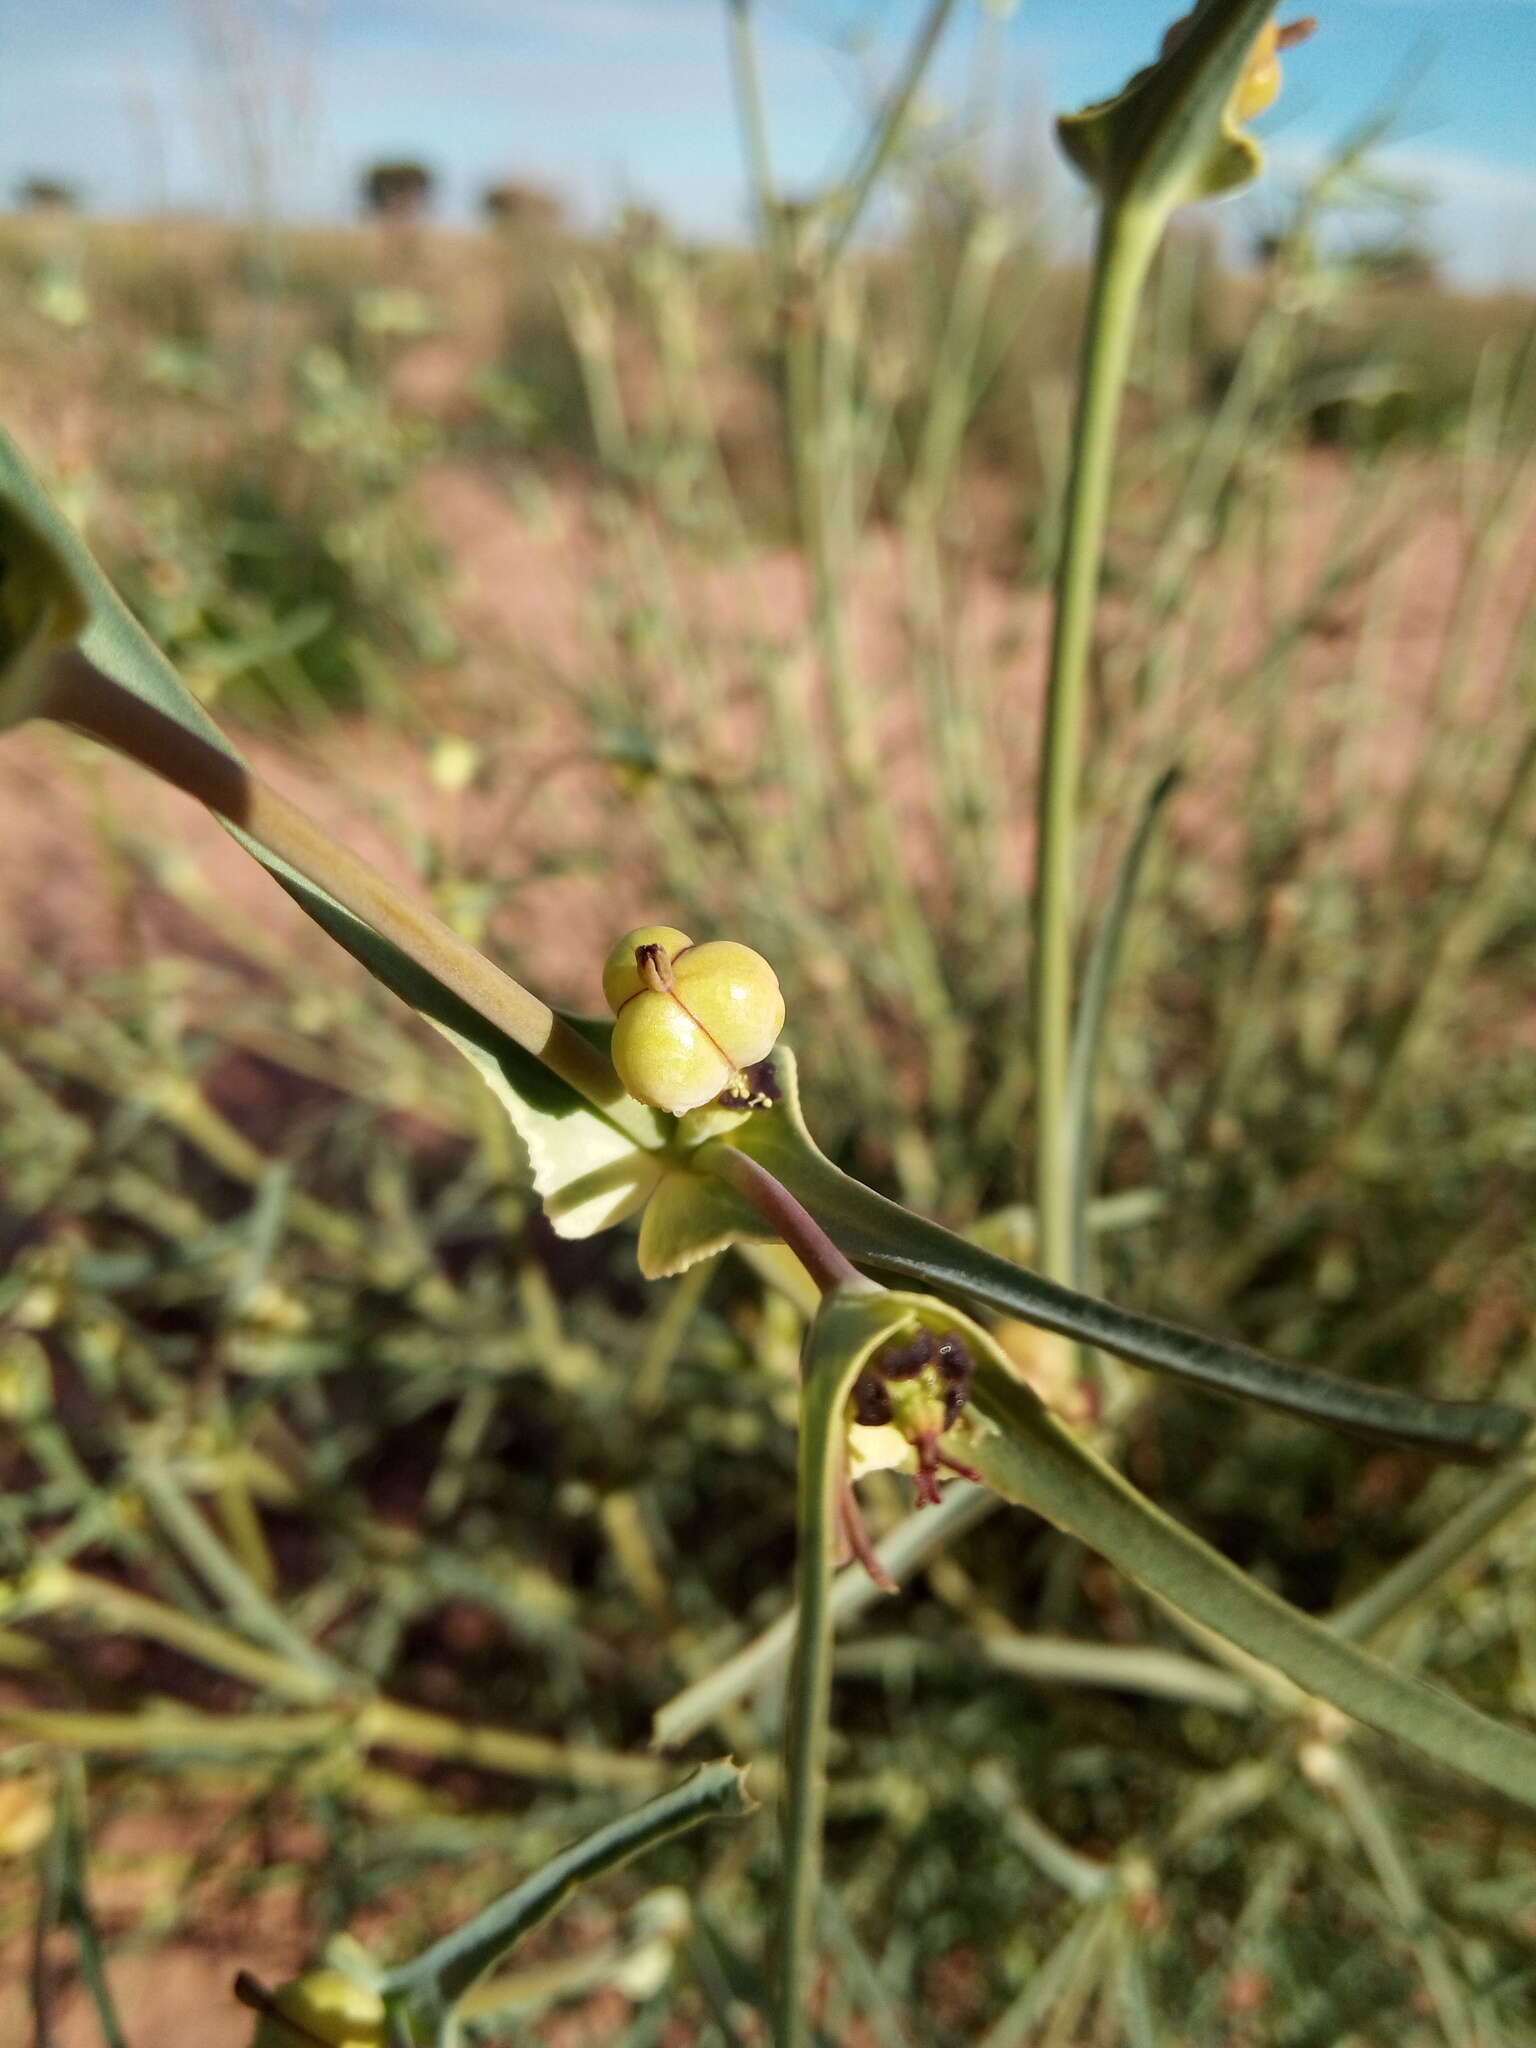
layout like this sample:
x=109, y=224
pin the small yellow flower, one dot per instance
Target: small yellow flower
x=690, y=1019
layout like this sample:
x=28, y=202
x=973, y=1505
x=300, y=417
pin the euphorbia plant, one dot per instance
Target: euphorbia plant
x=683, y=1112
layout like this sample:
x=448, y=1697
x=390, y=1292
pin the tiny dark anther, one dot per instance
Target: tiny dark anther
x=906, y=1361
x=957, y=1370
x=871, y=1402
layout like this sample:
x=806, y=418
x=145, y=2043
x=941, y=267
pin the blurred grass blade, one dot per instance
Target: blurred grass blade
x=1093, y=1012
x=69, y=1853
x=441, y=1975
x=761, y=1661
x=893, y=1242
x=1040, y=1464
x=1390, y=1859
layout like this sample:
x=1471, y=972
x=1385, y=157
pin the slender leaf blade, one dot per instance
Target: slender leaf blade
x=1035, y=1460
x=440, y=1976
x=895, y=1244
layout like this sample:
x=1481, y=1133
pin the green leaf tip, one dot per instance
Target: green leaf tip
x=432, y=1984
x=1035, y=1461
x=1176, y=132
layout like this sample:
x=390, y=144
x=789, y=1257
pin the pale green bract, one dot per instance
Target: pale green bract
x=1168, y=137
x=42, y=607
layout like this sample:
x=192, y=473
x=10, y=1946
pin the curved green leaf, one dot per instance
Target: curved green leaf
x=892, y=1242
x=436, y=1980
x=1036, y=1461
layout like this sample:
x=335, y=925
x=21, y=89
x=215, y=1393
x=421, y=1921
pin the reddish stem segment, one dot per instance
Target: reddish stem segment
x=793, y=1222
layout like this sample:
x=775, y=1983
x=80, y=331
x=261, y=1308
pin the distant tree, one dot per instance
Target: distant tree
x=1403, y=261
x=398, y=189
x=47, y=195
x=514, y=205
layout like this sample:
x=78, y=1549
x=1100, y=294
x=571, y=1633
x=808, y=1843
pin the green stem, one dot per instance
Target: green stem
x=1128, y=235
x=442, y=1974
x=1088, y=1038
x=747, y=77
x=824, y=1394
x=759, y=1663
x=794, y=1223
x=887, y=132
x=1389, y=1858
x=255, y=1614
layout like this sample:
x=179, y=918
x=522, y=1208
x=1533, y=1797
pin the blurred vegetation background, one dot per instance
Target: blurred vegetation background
x=512, y=553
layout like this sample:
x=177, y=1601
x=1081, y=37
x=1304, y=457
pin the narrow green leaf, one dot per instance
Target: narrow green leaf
x=111, y=636
x=895, y=1244
x=435, y=1981
x=1037, y=1462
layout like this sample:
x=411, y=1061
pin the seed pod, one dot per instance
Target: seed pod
x=690, y=1018
x=957, y=1370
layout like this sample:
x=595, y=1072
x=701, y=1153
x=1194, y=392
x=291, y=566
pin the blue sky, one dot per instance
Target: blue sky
x=189, y=102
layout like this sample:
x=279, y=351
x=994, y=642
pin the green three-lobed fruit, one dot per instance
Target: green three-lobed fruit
x=689, y=1018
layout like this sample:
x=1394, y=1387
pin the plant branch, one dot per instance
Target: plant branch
x=793, y=1222
x=1128, y=235
x=447, y=1970
x=79, y=694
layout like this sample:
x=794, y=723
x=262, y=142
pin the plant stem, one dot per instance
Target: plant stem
x=1088, y=1037
x=761, y=1661
x=888, y=129
x=808, y=1705
x=1128, y=234
x=80, y=695
x=451, y=1966
x=747, y=79
x=794, y=1223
